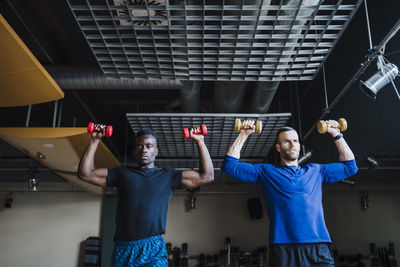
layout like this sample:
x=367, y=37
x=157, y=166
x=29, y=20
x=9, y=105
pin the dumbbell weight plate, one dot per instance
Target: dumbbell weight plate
x=258, y=127
x=203, y=128
x=342, y=124
x=322, y=127
x=109, y=131
x=186, y=134
x=90, y=128
x=238, y=125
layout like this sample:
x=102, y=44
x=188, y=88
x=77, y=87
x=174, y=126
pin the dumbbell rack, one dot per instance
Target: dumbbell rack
x=175, y=151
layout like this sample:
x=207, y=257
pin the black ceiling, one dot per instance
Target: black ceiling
x=49, y=29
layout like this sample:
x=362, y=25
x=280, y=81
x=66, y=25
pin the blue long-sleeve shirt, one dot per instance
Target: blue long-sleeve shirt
x=293, y=196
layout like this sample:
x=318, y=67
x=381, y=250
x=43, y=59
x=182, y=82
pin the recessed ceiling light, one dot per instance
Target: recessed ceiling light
x=48, y=145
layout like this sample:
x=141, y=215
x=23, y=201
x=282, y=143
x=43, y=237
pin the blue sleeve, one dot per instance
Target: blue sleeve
x=335, y=172
x=244, y=172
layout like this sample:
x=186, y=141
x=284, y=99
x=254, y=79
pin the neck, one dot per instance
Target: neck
x=285, y=162
x=148, y=166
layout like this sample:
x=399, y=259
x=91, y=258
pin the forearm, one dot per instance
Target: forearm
x=344, y=150
x=234, y=149
x=86, y=164
x=206, y=167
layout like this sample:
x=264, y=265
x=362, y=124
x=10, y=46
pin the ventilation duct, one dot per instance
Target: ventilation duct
x=262, y=96
x=264, y=91
x=68, y=77
x=190, y=97
x=228, y=96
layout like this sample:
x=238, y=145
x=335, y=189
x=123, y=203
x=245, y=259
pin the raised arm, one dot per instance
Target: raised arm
x=245, y=132
x=192, y=178
x=86, y=170
x=243, y=171
x=345, y=153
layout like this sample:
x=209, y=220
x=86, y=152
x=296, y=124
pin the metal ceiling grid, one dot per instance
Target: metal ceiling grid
x=224, y=40
x=182, y=153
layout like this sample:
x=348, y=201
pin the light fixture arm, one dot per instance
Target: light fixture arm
x=376, y=51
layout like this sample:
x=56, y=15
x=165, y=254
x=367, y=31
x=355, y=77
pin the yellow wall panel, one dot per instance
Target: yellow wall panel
x=23, y=80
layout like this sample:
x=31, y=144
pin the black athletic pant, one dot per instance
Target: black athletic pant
x=300, y=255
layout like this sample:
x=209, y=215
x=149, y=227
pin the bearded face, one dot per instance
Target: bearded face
x=288, y=145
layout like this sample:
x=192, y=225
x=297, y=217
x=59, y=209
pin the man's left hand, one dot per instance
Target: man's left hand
x=333, y=128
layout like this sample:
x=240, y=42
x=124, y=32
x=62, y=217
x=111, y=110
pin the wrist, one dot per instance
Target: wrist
x=244, y=135
x=337, y=137
x=200, y=142
x=95, y=140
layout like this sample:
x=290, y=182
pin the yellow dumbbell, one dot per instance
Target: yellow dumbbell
x=323, y=126
x=239, y=125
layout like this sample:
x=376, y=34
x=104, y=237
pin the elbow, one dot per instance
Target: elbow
x=83, y=175
x=206, y=178
x=224, y=168
x=354, y=170
x=210, y=177
x=227, y=170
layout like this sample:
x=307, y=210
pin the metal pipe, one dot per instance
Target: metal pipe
x=28, y=116
x=55, y=113
x=60, y=114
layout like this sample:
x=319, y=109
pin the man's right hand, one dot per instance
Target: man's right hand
x=101, y=133
x=248, y=127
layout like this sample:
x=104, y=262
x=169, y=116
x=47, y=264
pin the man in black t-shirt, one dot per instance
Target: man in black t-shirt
x=143, y=196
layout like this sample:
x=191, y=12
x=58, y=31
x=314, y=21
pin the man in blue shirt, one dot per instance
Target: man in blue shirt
x=143, y=196
x=293, y=195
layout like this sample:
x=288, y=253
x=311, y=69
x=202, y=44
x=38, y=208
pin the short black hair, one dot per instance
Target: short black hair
x=281, y=130
x=146, y=131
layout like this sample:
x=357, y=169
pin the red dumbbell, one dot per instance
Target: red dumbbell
x=91, y=129
x=202, y=130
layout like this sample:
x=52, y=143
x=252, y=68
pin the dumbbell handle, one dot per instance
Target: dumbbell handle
x=239, y=125
x=322, y=126
x=91, y=128
x=202, y=130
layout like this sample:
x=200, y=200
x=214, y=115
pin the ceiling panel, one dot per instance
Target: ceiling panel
x=212, y=40
x=220, y=134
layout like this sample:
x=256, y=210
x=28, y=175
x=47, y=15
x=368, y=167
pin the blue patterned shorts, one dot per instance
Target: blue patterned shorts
x=149, y=252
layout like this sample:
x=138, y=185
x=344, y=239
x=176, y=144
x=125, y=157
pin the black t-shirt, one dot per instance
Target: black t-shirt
x=143, y=197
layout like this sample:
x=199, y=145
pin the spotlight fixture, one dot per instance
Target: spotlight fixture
x=304, y=158
x=387, y=73
x=372, y=162
x=348, y=182
x=33, y=184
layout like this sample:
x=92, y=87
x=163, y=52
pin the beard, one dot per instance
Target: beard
x=290, y=156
